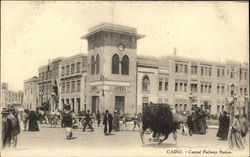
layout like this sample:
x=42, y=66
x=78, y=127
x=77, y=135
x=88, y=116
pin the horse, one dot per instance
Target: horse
x=136, y=119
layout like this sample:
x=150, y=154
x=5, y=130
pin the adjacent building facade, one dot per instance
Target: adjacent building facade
x=48, y=83
x=73, y=81
x=30, y=96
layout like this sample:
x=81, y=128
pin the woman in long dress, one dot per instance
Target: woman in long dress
x=33, y=126
x=223, y=126
x=235, y=139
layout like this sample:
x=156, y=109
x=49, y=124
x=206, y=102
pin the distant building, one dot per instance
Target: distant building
x=30, y=97
x=10, y=97
x=48, y=84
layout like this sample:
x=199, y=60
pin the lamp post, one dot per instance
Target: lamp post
x=103, y=94
x=191, y=101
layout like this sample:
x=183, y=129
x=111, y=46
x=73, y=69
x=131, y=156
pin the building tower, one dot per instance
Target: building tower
x=112, y=68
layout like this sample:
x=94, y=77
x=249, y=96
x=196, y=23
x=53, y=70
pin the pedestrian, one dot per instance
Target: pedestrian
x=33, y=126
x=15, y=126
x=87, y=120
x=6, y=129
x=24, y=119
x=224, y=123
x=107, y=122
x=243, y=128
x=67, y=122
x=116, y=121
x=235, y=139
x=98, y=118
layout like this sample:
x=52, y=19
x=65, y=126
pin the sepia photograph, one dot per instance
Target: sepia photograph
x=125, y=78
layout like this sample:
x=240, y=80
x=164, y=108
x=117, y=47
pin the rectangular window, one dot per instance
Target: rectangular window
x=166, y=86
x=186, y=69
x=194, y=69
x=67, y=87
x=218, y=72
x=160, y=85
x=222, y=73
x=205, y=89
x=222, y=90
x=176, y=68
x=194, y=88
x=73, y=86
x=176, y=87
x=185, y=107
x=78, y=65
x=201, y=88
x=185, y=87
x=241, y=91
x=218, y=89
x=181, y=107
x=176, y=107
x=232, y=75
x=245, y=75
x=245, y=91
x=181, y=87
x=78, y=89
x=67, y=70
x=202, y=70
x=210, y=72
x=72, y=68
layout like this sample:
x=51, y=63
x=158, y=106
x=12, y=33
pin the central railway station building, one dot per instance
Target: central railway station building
x=112, y=76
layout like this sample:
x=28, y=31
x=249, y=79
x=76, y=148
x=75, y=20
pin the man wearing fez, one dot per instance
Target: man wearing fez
x=107, y=122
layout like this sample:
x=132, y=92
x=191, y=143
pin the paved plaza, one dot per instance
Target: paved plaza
x=51, y=141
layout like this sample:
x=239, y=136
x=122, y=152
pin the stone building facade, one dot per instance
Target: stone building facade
x=30, y=96
x=73, y=77
x=48, y=83
x=112, y=76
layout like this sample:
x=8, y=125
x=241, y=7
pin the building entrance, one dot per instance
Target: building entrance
x=119, y=103
x=95, y=103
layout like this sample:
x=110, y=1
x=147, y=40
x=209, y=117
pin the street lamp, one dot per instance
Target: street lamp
x=103, y=94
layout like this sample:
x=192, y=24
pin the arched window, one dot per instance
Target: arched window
x=125, y=65
x=145, y=84
x=92, y=65
x=115, y=64
x=97, y=64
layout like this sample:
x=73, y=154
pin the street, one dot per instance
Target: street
x=51, y=141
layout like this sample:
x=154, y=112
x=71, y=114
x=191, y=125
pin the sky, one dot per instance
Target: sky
x=32, y=32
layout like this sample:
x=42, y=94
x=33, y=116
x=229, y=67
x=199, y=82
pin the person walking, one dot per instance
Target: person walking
x=15, y=127
x=235, y=140
x=24, y=119
x=116, y=121
x=98, y=118
x=6, y=129
x=87, y=120
x=224, y=123
x=33, y=126
x=243, y=128
x=67, y=122
x=107, y=122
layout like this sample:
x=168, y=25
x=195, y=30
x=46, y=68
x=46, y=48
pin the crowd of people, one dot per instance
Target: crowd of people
x=13, y=121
